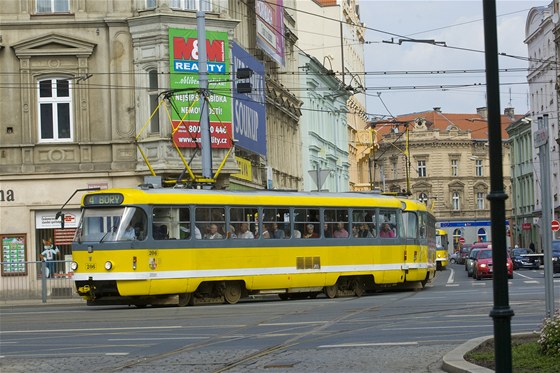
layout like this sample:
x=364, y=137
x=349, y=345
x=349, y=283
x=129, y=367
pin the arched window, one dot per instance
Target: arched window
x=456, y=202
x=481, y=235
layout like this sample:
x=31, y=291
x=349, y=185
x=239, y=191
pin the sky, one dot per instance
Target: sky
x=455, y=23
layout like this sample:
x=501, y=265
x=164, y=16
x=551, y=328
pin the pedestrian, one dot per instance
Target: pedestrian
x=48, y=255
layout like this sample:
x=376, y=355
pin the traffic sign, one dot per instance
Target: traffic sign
x=462, y=240
x=555, y=225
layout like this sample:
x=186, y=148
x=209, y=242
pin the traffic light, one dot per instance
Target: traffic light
x=241, y=74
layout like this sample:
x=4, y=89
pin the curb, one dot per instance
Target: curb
x=454, y=362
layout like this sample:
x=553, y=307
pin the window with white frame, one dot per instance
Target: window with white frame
x=153, y=96
x=478, y=167
x=55, y=110
x=421, y=168
x=150, y=4
x=480, y=200
x=454, y=167
x=53, y=6
x=190, y=4
x=456, y=202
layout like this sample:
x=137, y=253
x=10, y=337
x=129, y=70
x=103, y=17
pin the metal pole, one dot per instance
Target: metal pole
x=205, y=139
x=501, y=313
x=546, y=221
x=44, y=281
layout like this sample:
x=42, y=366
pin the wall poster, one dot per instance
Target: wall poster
x=14, y=254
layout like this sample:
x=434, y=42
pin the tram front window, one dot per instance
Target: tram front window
x=112, y=224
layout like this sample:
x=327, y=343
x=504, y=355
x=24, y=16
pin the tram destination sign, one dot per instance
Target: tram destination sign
x=104, y=199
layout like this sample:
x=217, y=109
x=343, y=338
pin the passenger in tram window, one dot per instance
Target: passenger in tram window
x=364, y=231
x=326, y=231
x=386, y=231
x=277, y=232
x=213, y=233
x=231, y=232
x=310, y=232
x=356, y=231
x=265, y=232
x=244, y=232
x=340, y=231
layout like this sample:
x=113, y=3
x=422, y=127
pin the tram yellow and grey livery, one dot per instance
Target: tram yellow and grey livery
x=147, y=246
x=442, y=253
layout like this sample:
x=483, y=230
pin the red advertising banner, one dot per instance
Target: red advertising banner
x=187, y=134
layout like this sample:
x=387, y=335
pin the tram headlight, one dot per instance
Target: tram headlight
x=108, y=265
x=74, y=266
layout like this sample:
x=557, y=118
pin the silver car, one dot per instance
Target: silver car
x=469, y=262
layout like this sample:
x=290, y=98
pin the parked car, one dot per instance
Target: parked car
x=483, y=265
x=556, y=256
x=469, y=262
x=525, y=258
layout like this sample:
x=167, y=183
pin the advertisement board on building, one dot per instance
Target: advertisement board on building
x=249, y=114
x=270, y=28
x=13, y=254
x=48, y=220
x=185, y=115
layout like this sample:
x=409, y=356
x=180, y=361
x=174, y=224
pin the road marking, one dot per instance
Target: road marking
x=531, y=281
x=116, y=354
x=519, y=274
x=293, y=323
x=369, y=344
x=451, y=285
x=89, y=329
x=155, y=339
x=451, y=277
x=479, y=284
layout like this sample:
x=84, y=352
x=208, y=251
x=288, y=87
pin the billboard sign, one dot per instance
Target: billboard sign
x=270, y=28
x=249, y=115
x=183, y=55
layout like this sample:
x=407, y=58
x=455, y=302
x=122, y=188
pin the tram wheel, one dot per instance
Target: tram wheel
x=331, y=291
x=358, y=287
x=283, y=296
x=185, y=299
x=232, y=292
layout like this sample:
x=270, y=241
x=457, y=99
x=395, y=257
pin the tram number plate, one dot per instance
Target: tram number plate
x=152, y=252
x=90, y=266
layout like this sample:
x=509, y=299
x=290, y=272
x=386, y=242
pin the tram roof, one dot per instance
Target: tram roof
x=265, y=197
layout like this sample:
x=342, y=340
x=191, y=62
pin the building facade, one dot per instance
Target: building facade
x=332, y=32
x=442, y=159
x=542, y=38
x=94, y=96
x=522, y=183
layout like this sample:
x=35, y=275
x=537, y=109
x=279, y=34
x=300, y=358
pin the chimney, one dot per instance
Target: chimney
x=510, y=112
x=483, y=112
x=437, y=109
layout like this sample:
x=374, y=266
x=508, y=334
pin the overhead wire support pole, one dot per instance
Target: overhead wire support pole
x=501, y=312
x=205, y=139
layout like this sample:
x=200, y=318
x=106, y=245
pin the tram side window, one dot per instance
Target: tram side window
x=276, y=222
x=211, y=222
x=307, y=223
x=410, y=224
x=422, y=224
x=364, y=224
x=244, y=222
x=171, y=223
x=389, y=223
x=336, y=223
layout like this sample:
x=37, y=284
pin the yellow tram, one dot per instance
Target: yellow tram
x=160, y=246
x=442, y=245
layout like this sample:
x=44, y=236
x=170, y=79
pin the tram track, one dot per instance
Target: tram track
x=309, y=335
